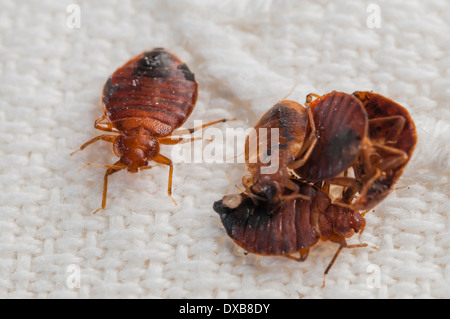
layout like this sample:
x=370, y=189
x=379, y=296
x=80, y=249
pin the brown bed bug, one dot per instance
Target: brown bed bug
x=290, y=148
x=143, y=102
x=294, y=228
x=341, y=127
x=365, y=133
x=391, y=141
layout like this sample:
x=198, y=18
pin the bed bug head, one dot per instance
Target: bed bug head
x=270, y=190
x=357, y=221
x=341, y=221
x=267, y=188
x=136, y=150
x=134, y=158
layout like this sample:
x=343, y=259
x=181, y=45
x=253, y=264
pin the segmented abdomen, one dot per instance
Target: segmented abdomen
x=289, y=121
x=154, y=91
x=259, y=230
x=341, y=124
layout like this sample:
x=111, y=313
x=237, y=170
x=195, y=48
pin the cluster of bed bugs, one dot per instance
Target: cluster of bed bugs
x=360, y=142
x=288, y=212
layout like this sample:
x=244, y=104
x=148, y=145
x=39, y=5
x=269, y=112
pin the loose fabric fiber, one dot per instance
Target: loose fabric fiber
x=55, y=57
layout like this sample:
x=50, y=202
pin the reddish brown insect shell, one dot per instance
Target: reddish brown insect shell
x=290, y=147
x=341, y=124
x=365, y=132
x=143, y=102
x=393, y=137
x=294, y=228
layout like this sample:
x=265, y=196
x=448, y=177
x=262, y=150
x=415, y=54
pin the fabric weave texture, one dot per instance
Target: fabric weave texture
x=246, y=55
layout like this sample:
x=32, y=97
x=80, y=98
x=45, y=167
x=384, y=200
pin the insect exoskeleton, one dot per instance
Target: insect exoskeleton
x=283, y=139
x=392, y=139
x=144, y=101
x=341, y=127
x=364, y=142
x=294, y=228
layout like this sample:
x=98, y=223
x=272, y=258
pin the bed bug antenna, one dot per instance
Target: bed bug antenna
x=290, y=92
x=102, y=165
x=235, y=185
x=233, y=157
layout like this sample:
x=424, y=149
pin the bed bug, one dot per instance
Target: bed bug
x=289, y=148
x=391, y=141
x=294, y=228
x=341, y=127
x=363, y=132
x=143, y=102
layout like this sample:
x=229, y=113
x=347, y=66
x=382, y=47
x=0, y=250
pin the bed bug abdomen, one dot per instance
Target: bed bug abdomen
x=341, y=124
x=154, y=91
x=258, y=229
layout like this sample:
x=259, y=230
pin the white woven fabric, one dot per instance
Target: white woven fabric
x=246, y=55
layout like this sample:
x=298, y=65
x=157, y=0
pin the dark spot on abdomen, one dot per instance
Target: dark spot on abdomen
x=344, y=144
x=188, y=75
x=154, y=64
x=109, y=90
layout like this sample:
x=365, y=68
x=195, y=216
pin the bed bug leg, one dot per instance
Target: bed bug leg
x=336, y=254
x=351, y=187
x=368, y=185
x=101, y=165
x=167, y=161
x=309, y=145
x=367, y=151
x=399, y=157
x=104, y=126
x=192, y=130
x=295, y=191
x=109, y=171
x=310, y=96
x=303, y=254
x=395, y=123
x=338, y=251
x=105, y=137
x=175, y=140
x=343, y=181
x=365, y=212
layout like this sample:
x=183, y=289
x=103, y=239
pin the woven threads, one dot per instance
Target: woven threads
x=246, y=55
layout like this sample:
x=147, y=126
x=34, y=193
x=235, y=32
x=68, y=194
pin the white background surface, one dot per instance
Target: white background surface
x=246, y=55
